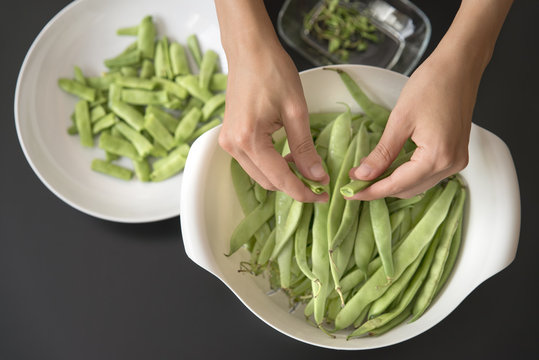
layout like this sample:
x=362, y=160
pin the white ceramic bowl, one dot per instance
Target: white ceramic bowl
x=210, y=212
x=84, y=34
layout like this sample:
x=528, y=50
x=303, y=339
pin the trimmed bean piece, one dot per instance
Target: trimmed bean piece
x=208, y=65
x=170, y=165
x=128, y=113
x=167, y=119
x=194, y=48
x=136, y=82
x=84, y=126
x=142, y=170
x=158, y=131
x=118, y=146
x=107, y=168
x=211, y=105
x=190, y=83
x=146, y=37
x=75, y=88
x=178, y=59
x=202, y=129
x=143, y=145
x=172, y=87
x=144, y=97
x=147, y=70
x=128, y=31
x=187, y=125
x=103, y=123
x=218, y=82
x=132, y=57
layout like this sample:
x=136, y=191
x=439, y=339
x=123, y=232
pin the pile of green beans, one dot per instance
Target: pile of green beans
x=149, y=106
x=362, y=267
x=341, y=27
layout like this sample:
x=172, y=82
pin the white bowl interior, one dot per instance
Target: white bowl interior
x=210, y=212
x=84, y=34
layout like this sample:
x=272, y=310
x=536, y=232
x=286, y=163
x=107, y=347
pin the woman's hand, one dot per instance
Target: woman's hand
x=264, y=93
x=435, y=107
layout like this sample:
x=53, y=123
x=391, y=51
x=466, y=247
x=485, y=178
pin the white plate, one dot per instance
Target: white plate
x=210, y=212
x=84, y=34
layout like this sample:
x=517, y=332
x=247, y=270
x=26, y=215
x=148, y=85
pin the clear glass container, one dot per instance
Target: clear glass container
x=405, y=33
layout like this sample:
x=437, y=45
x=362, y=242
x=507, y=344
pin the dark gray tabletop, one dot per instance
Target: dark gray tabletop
x=76, y=287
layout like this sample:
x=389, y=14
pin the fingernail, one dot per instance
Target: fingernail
x=363, y=171
x=317, y=170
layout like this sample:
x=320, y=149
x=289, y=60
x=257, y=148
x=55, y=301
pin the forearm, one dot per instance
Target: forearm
x=469, y=42
x=244, y=26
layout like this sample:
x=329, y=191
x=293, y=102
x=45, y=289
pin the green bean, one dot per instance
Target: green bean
x=169, y=165
x=218, y=82
x=111, y=157
x=428, y=290
x=187, y=125
x=211, y=105
x=132, y=57
x=338, y=144
x=362, y=316
x=99, y=82
x=158, y=150
x=194, y=48
x=208, y=64
x=147, y=70
x=97, y=113
x=79, y=76
x=202, y=129
x=144, y=97
x=402, y=203
x=243, y=187
x=287, y=215
x=421, y=207
x=300, y=241
x=192, y=103
x=383, y=302
x=322, y=140
x=129, y=31
x=320, y=261
x=84, y=126
x=141, y=144
x=128, y=71
x=165, y=118
x=315, y=186
x=172, y=87
x=355, y=186
x=190, y=83
x=407, y=252
x=107, y=168
x=260, y=193
x=180, y=151
x=142, y=170
x=320, y=120
x=377, y=113
x=267, y=249
x=340, y=257
x=163, y=68
x=284, y=260
x=364, y=244
x=452, y=257
x=396, y=218
x=341, y=157
x=136, y=83
x=309, y=308
x=118, y=146
x=178, y=59
x=103, y=123
x=393, y=323
x=408, y=295
x=146, y=37
x=351, y=207
x=115, y=94
x=251, y=223
x=128, y=113
x=158, y=131
x=72, y=87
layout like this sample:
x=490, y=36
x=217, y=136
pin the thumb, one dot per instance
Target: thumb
x=302, y=147
x=383, y=154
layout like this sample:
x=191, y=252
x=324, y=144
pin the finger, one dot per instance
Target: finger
x=409, y=179
x=300, y=140
x=277, y=171
x=252, y=170
x=387, y=149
